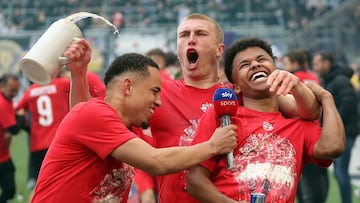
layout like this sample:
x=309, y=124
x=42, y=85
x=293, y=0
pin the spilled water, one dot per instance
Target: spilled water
x=81, y=15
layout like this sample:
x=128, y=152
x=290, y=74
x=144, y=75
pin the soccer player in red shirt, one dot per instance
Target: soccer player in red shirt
x=47, y=105
x=9, y=125
x=271, y=149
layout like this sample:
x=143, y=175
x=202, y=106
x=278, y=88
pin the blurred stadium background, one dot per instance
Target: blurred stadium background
x=332, y=25
x=144, y=24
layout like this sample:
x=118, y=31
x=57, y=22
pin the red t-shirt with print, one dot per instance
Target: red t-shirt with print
x=78, y=166
x=269, y=157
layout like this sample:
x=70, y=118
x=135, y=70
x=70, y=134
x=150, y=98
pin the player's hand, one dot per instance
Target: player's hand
x=148, y=196
x=224, y=139
x=78, y=54
x=282, y=82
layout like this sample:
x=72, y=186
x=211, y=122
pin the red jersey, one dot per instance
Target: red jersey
x=78, y=166
x=47, y=105
x=307, y=76
x=7, y=119
x=174, y=123
x=269, y=157
x=164, y=75
x=96, y=85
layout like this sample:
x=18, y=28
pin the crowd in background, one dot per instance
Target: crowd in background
x=150, y=12
x=293, y=15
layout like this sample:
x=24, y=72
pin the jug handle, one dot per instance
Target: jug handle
x=63, y=60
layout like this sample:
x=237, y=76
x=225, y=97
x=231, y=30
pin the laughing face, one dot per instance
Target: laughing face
x=199, y=48
x=251, y=68
x=145, y=97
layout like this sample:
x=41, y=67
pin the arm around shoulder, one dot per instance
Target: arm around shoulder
x=302, y=104
x=332, y=140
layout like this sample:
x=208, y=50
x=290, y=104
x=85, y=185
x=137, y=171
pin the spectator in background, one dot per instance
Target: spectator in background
x=222, y=76
x=314, y=182
x=17, y=19
x=35, y=21
x=117, y=19
x=10, y=124
x=296, y=62
x=159, y=56
x=173, y=66
x=3, y=25
x=355, y=78
x=336, y=79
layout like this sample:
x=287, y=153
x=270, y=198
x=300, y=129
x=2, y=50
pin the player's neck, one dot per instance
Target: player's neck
x=263, y=105
x=202, y=83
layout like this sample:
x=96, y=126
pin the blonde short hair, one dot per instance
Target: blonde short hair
x=219, y=32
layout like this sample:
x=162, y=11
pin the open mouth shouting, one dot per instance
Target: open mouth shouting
x=192, y=57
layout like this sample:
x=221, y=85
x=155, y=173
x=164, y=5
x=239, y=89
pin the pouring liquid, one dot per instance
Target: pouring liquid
x=81, y=15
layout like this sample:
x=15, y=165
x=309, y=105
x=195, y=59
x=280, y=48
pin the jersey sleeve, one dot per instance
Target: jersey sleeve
x=24, y=101
x=96, y=85
x=7, y=118
x=314, y=129
x=104, y=130
x=209, y=121
x=144, y=181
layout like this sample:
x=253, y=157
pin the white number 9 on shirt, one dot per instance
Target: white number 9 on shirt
x=45, y=110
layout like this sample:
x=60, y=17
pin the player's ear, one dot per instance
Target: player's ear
x=236, y=89
x=127, y=86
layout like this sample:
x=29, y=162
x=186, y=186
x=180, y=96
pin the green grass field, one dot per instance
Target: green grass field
x=19, y=150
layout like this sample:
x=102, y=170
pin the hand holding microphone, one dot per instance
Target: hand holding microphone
x=225, y=105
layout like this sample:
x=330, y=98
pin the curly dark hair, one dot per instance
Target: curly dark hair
x=241, y=45
x=131, y=62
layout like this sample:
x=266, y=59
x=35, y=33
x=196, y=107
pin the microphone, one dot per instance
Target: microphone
x=225, y=105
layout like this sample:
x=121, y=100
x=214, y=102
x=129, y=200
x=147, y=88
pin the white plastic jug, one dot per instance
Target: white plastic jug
x=44, y=60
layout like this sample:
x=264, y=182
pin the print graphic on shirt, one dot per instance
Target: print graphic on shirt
x=189, y=132
x=43, y=103
x=266, y=163
x=204, y=107
x=114, y=186
x=188, y=135
x=185, y=140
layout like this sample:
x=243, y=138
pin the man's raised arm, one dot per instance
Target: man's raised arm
x=79, y=55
